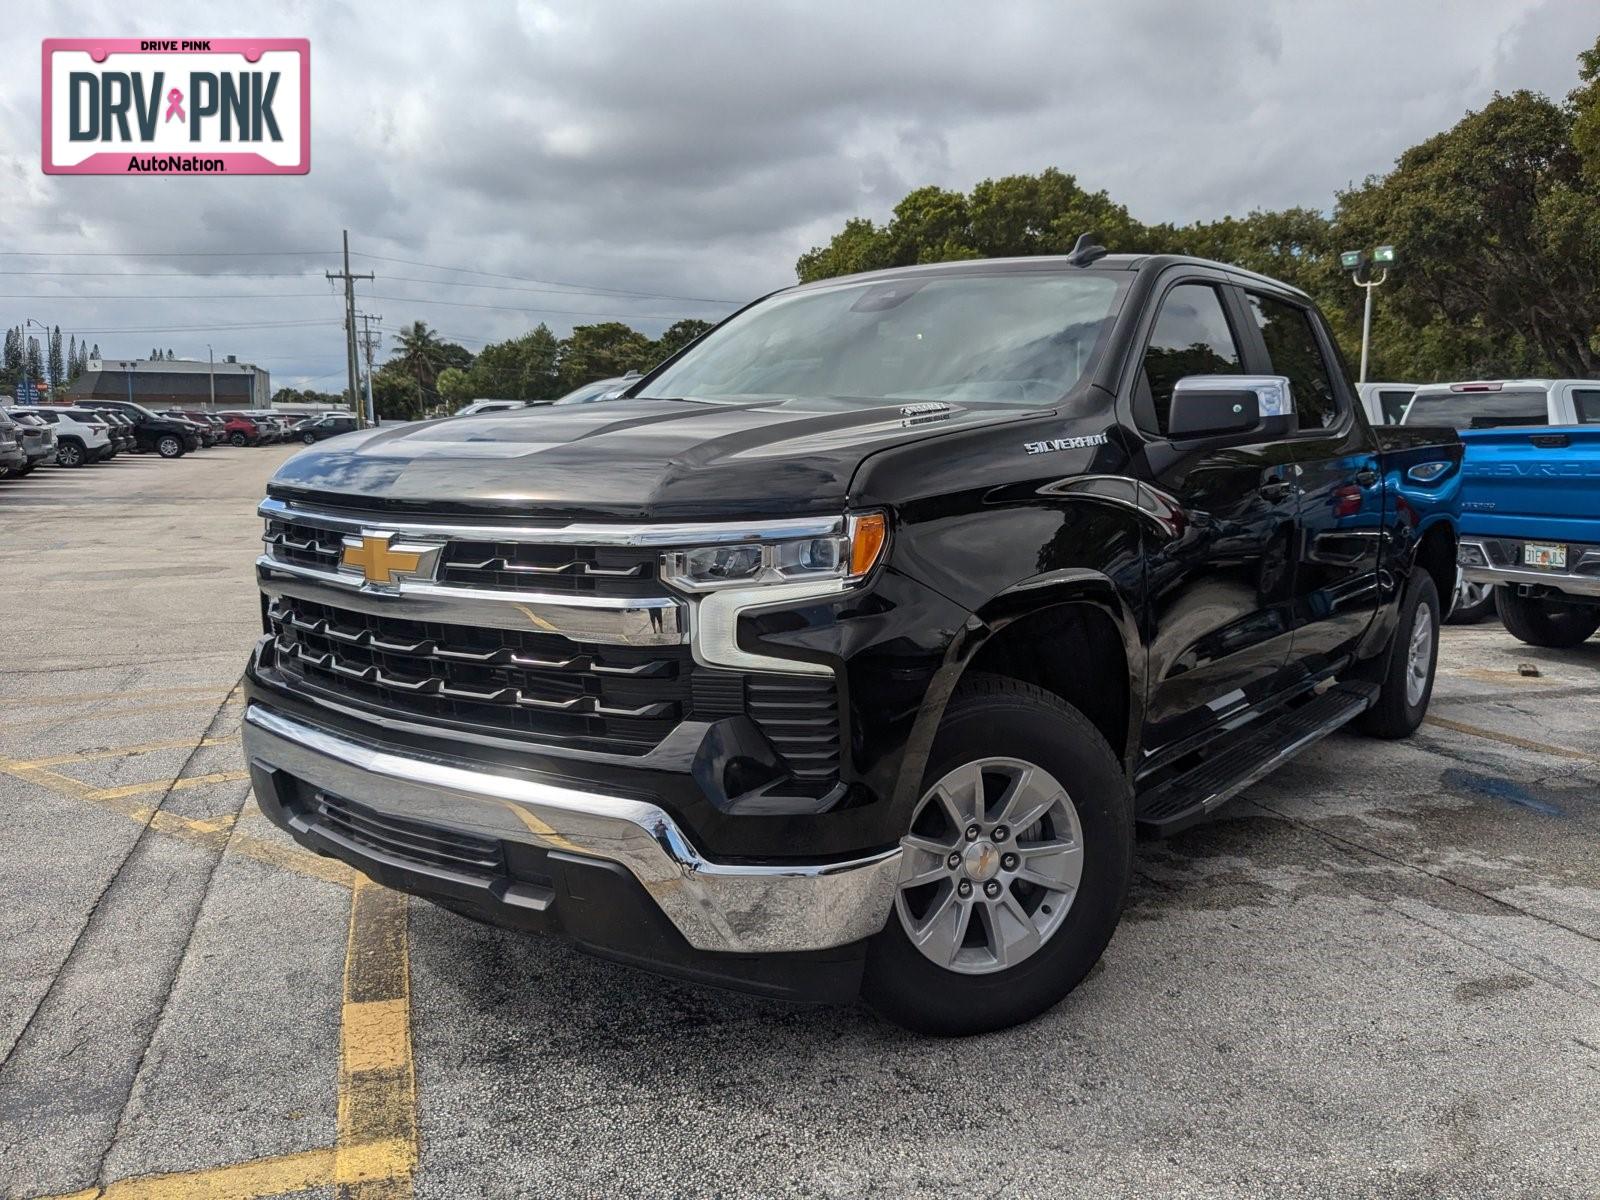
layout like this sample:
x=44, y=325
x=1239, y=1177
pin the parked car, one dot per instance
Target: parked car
x=121, y=428
x=849, y=655
x=483, y=406
x=326, y=427
x=1385, y=403
x=239, y=430
x=38, y=439
x=1497, y=404
x=81, y=436
x=12, y=456
x=203, y=430
x=163, y=435
x=600, y=389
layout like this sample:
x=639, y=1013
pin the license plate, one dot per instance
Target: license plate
x=1544, y=554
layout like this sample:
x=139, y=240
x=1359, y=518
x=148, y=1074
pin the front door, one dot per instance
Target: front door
x=1220, y=571
x=1337, y=473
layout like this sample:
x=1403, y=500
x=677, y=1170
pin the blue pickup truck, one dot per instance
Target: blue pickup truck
x=1530, y=502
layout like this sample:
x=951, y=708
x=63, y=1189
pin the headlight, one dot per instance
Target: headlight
x=846, y=555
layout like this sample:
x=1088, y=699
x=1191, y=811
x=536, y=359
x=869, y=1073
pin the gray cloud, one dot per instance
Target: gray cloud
x=696, y=148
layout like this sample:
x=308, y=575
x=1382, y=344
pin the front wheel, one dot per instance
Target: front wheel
x=1474, y=602
x=238, y=439
x=1013, y=869
x=169, y=446
x=1542, y=622
x=308, y=438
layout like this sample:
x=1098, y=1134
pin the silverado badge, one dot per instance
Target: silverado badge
x=1071, y=443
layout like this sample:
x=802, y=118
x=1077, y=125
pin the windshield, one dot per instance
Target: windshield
x=589, y=392
x=1478, y=410
x=1021, y=338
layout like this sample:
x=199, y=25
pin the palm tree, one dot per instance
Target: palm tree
x=421, y=354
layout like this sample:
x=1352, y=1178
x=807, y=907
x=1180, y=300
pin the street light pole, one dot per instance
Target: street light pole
x=211, y=373
x=1357, y=263
x=44, y=357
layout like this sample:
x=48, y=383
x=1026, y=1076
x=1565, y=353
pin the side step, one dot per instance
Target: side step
x=1179, y=802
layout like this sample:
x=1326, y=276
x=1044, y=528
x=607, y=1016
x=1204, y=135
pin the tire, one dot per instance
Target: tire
x=238, y=439
x=993, y=720
x=169, y=445
x=308, y=438
x=1548, y=623
x=26, y=469
x=1472, y=602
x=1413, y=659
x=70, y=454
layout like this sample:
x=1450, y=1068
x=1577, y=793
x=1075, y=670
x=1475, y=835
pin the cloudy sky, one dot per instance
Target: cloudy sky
x=644, y=162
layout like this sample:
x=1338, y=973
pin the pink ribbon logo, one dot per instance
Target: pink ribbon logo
x=175, y=105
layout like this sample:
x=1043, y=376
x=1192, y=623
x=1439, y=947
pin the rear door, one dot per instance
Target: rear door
x=1337, y=473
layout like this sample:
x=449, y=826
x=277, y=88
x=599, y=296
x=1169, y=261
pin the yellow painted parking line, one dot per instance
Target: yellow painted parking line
x=1511, y=739
x=164, y=785
x=377, y=1142
x=238, y=1181
x=88, y=697
x=135, y=710
x=128, y=751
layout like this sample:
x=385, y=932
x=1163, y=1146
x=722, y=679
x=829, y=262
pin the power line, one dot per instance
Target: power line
x=410, y=262
x=165, y=253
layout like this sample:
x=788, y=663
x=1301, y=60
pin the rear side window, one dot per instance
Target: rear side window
x=1393, y=405
x=1587, y=401
x=1191, y=337
x=1295, y=353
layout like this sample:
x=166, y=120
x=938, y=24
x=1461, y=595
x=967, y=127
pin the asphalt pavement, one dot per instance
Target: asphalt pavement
x=1377, y=973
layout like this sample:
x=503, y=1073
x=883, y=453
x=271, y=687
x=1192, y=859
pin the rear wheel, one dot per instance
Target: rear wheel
x=70, y=454
x=1542, y=622
x=1407, y=683
x=169, y=445
x=1014, y=867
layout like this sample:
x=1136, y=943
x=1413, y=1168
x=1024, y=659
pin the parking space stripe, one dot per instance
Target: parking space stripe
x=377, y=1145
x=1511, y=739
x=126, y=751
x=135, y=710
x=88, y=697
x=239, y=1181
x=164, y=785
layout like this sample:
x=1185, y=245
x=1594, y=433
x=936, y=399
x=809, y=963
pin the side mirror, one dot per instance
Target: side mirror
x=1231, y=407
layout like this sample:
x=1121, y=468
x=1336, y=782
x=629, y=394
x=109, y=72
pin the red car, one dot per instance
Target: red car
x=240, y=430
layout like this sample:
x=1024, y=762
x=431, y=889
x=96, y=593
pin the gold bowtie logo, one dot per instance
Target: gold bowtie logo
x=377, y=560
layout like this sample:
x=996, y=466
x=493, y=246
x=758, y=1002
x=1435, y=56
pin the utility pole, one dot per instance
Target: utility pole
x=211, y=374
x=350, y=325
x=369, y=346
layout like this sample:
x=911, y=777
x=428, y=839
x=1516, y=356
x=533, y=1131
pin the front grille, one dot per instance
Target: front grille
x=527, y=567
x=303, y=545
x=421, y=843
x=616, y=698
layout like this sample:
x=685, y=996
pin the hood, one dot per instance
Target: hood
x=627, y=459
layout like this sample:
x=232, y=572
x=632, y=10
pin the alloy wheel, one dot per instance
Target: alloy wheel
x=991, y=865
x=1419, y=655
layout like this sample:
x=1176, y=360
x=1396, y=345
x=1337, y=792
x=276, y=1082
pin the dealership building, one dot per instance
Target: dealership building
x=175, y=383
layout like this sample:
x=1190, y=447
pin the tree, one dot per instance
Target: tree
x=12, y=363
x=521, y=368
x=396, y=394
x=55, y=364
x=601, y=351
x=678, y=335
x=455, y=386
x=33, y=361
x=72, y=357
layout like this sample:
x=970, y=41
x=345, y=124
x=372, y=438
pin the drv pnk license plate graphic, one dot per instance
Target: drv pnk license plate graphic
x=170, y=106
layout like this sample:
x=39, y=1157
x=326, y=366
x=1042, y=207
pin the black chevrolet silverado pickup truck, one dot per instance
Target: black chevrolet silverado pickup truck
x=847, y=651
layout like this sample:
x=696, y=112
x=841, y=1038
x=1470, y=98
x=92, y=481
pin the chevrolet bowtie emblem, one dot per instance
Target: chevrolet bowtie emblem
x=380, y=560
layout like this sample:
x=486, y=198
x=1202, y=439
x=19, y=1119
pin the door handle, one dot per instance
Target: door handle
x=1366, y=477
x=1276, y=489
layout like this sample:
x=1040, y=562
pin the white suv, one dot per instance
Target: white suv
x=82, y=436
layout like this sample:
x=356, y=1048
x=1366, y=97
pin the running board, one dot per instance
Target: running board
x=1181, y=801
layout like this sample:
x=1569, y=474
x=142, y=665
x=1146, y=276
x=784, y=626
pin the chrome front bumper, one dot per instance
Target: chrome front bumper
x=716, y=906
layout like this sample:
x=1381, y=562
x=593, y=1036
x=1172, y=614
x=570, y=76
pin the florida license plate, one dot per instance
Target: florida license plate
x=1544, y=554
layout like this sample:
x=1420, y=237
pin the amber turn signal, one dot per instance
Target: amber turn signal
x=868, y=533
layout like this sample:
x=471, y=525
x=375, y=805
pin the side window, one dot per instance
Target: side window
x=1191, y=337
x=1292, y=347
x=1394, y=405
x=1587, y=402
